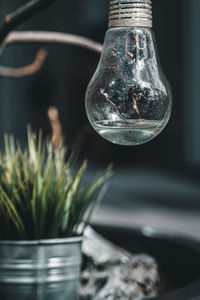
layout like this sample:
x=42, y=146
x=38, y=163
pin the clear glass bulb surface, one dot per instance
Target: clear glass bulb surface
x=128, y=100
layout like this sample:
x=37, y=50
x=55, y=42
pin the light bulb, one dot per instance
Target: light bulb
x=128, y=100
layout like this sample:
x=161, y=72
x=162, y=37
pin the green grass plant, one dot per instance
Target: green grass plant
x=40, y=197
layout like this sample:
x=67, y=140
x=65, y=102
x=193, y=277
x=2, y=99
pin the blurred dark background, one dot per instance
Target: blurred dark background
x=163, y=173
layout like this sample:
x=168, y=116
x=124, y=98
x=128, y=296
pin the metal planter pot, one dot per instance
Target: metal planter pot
x=42, y=270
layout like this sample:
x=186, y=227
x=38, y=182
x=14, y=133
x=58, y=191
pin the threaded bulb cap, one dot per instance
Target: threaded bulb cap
x=130, y=13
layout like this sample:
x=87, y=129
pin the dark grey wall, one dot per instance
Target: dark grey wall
x=63, y=80
x=191, y=99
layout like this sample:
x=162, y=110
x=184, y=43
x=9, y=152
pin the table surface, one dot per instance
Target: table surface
x=152, y=198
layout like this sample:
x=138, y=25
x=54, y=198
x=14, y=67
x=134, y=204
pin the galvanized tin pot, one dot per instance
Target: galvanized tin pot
x=42, y=270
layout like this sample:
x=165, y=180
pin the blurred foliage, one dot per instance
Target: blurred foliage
x=39, y=196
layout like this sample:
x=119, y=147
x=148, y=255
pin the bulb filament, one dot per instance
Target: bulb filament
x=118, y=112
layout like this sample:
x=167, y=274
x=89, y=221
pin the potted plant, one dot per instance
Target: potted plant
x=42, y=207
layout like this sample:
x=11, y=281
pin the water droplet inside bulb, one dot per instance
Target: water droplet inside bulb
x=134, y=132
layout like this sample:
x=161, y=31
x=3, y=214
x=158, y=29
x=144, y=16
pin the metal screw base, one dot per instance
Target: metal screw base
x=130, y=13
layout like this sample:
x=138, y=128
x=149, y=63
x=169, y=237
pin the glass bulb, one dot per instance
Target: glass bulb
x=128, y=100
